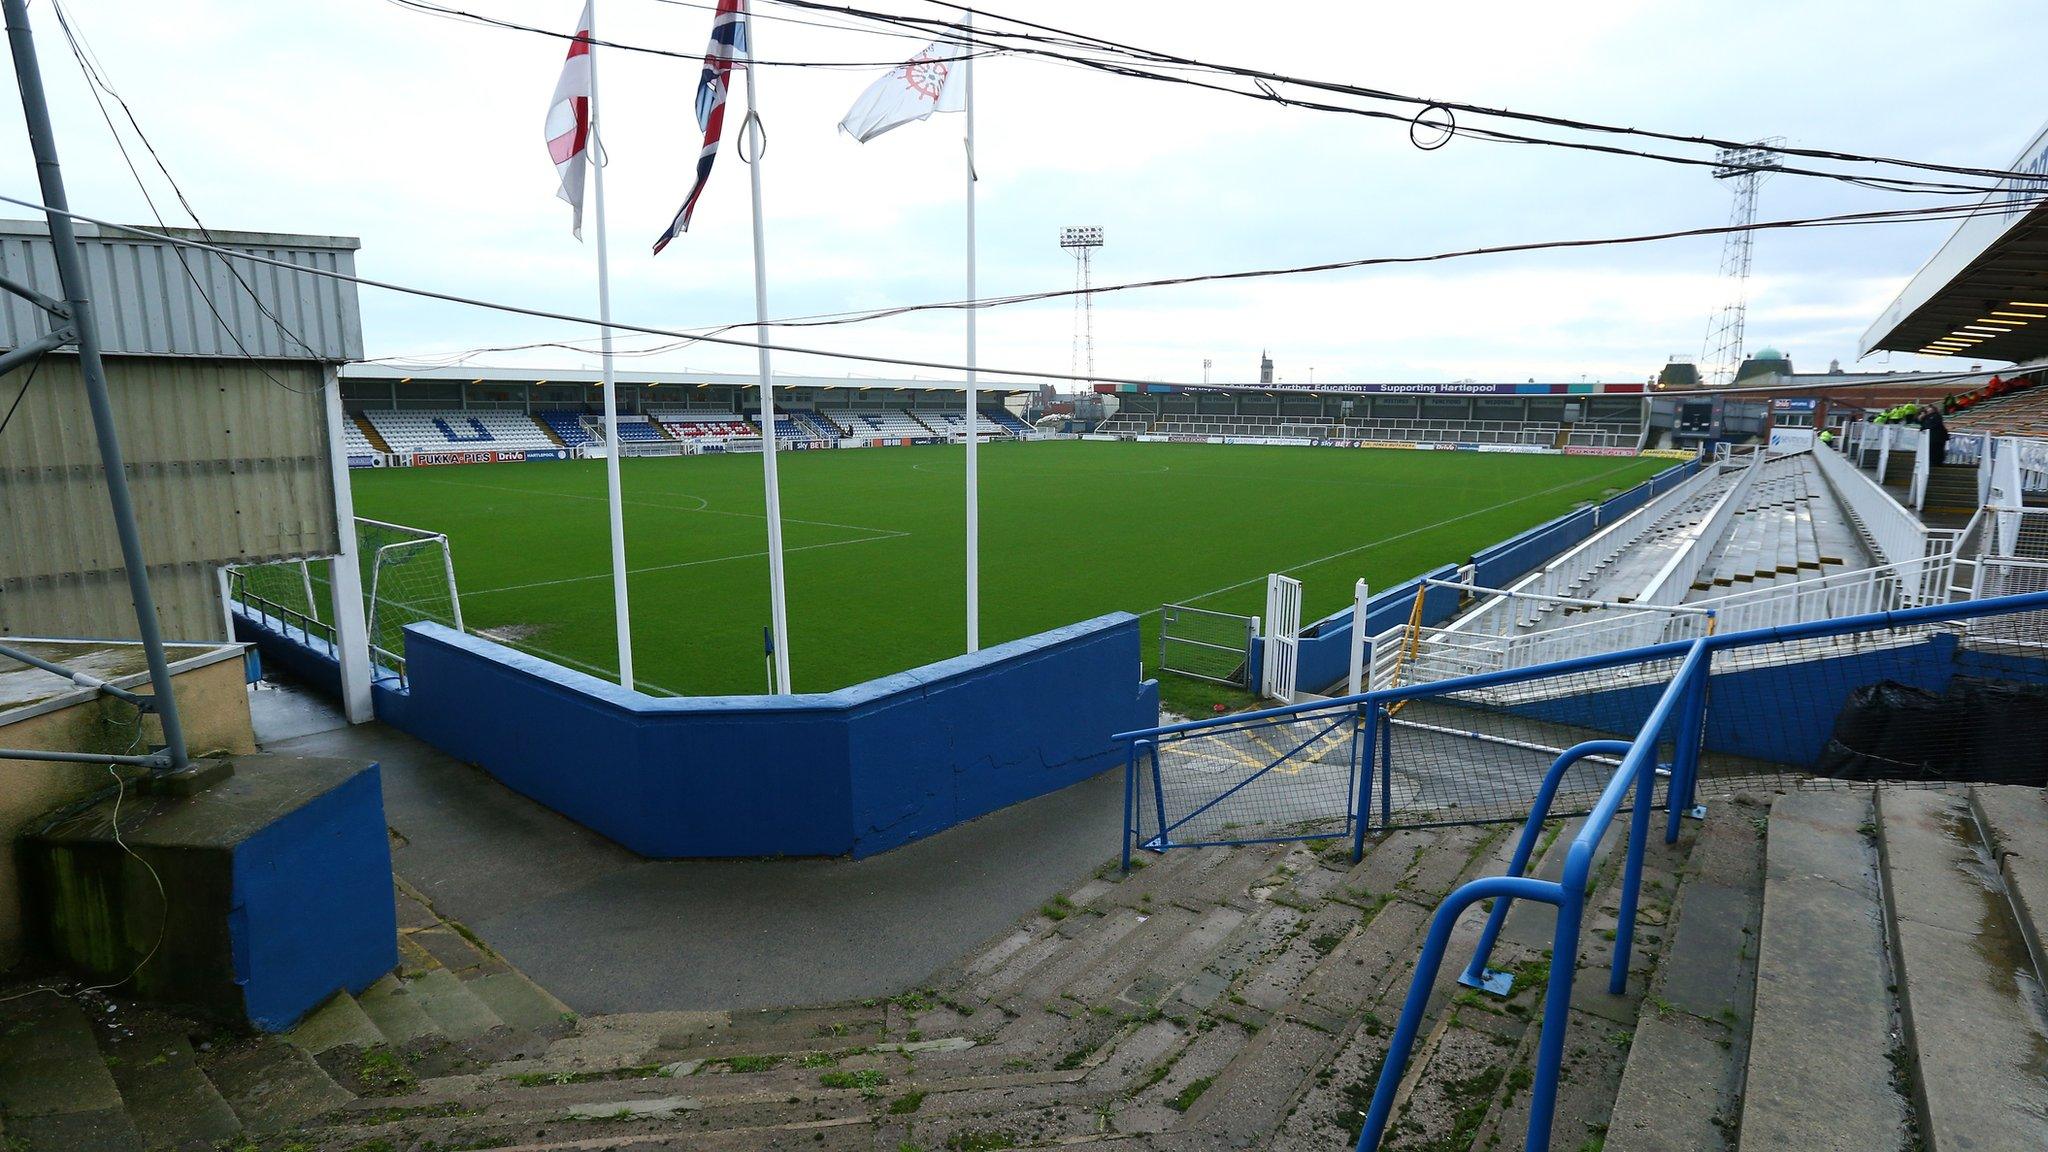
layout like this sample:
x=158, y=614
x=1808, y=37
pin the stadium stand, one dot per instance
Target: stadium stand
x=1538, y=434
x=1535, y=434
x=438, y=430
x=567, y=424
x=1776, y=534
x=1293, y=427
x=2019, y=414
x=703, y=423
x=949, y=423
x=639, y=430
x=885, y=422
x=805, y=425
x=1006, y=420
x=1604, y=434
x=1126, y=423
x=355, y=442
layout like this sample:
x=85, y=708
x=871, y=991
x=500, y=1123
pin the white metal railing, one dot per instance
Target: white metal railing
x=2014, y=528
x=1561, y=575
x=2004, y=490
x=1923, y=467
x=1966, y=447
x=1400, y=656
x=1878, y=589
x=1673, y=582
x=2032, y=457
x=1896, y=533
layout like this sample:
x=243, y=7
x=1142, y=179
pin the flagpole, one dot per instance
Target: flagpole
x=622, y=615
x=973, y=395
x=778, y=614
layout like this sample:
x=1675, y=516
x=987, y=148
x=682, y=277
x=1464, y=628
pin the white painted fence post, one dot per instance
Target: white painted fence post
x=1358, y=640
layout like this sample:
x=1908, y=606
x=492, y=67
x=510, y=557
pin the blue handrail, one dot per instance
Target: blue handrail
x=1684, y=699
x=1636, y=775
x=1477, y=974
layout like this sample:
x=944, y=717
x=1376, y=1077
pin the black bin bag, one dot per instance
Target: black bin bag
x=1892, y=731
x=2007, y=731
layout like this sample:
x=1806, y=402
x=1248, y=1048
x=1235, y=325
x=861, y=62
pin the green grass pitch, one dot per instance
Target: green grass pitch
x=873, y=542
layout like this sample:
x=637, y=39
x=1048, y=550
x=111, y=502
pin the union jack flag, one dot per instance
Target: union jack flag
x=728, y=44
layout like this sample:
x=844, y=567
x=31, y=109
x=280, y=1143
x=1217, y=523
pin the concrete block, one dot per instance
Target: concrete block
x=259, y=897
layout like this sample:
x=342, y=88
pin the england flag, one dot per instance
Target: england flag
x=568, y=130
x=926, y=83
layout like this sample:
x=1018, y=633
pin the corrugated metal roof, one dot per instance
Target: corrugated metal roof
x=154, y=298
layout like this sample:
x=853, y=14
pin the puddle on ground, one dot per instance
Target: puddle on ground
x=1998, y=939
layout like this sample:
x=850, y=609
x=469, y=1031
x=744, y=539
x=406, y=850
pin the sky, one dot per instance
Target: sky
x=423, y=137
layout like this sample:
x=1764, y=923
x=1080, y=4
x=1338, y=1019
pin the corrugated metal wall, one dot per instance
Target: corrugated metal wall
x=157, y=299
x=228, y=462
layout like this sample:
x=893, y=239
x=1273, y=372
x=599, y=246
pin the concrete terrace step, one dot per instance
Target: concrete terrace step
x=171, y=1102
x=1682, y=1087
x=2015, y=824
x=1823, y=1009
x=1970, y=1002
x=398, y=1015
x=459, y=1012
x=272, y=1086
x=339, y=1023
x=1215, y=998
x=522, y=1004
x=55, y=1089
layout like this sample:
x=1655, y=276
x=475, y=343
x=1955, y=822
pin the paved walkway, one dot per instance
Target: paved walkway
x=608, y=931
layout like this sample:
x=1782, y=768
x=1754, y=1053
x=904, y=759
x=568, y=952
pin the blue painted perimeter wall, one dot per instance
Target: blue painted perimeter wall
x=857, y=771
x=1785, y=713
x=292, y=952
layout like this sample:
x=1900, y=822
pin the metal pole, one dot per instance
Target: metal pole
x=71, y=273
x=778, y=614
x=973, y=458
x=622, y=615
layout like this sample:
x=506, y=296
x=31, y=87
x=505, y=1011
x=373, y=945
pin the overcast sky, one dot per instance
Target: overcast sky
x=422, y=136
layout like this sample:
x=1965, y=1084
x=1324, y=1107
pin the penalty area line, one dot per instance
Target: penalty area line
x=703, y=505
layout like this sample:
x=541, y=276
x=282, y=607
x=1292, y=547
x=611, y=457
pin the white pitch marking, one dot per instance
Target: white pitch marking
x=685, y=564
x=1403, y=535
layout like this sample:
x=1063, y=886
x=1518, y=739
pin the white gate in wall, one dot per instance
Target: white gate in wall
x=1283, y=636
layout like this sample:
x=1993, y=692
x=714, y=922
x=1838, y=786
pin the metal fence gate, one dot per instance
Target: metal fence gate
x=1283, y=637
x=1206, y=645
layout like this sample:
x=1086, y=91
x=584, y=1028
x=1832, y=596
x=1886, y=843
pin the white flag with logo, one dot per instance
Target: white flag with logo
x=923, y=85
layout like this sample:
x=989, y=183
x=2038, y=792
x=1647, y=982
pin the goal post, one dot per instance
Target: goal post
x=408, y=578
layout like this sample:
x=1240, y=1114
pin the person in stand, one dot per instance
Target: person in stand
x=1827, y=438
x=1937, y=434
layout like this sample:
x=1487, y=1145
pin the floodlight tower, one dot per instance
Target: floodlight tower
x=1745, y=169
x=1083, y=241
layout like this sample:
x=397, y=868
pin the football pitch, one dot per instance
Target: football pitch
x=873, y=541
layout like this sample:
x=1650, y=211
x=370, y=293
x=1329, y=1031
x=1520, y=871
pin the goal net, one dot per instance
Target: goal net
x=293, y=591
x=408, y=578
